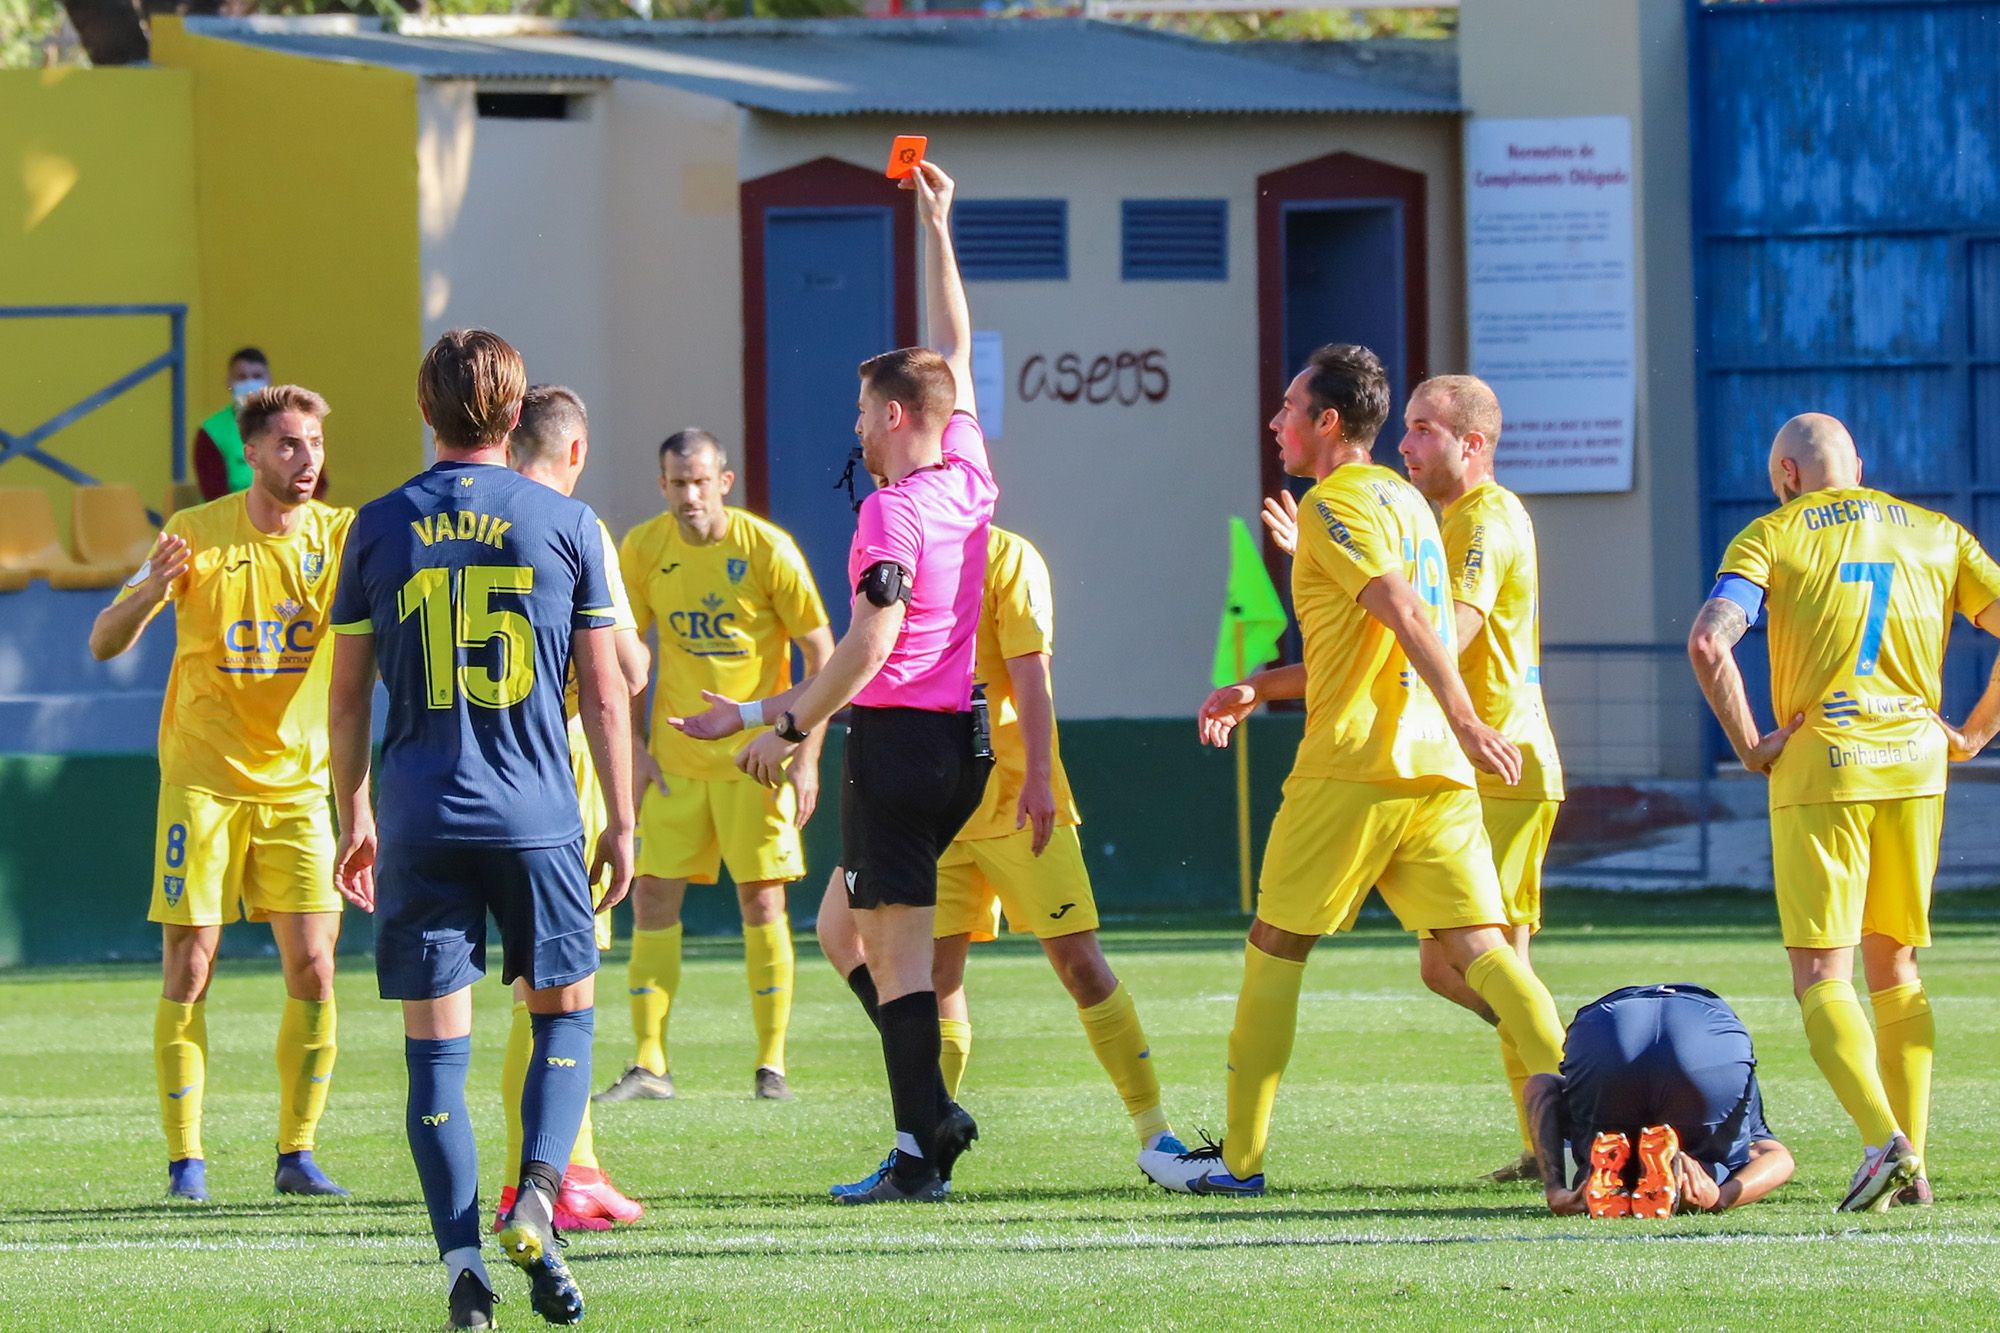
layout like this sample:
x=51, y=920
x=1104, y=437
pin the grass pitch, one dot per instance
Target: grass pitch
x=1393, y=1104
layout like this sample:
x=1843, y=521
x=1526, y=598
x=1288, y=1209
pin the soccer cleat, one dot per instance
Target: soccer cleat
x=1523, y=1167
x=565, y=1219
x=471, y=1303
x=638, y=1085
x=188, y=1179
x=1166, y=1146
x=532, y=1249
x=771, y=1086
x=1916, y=1194
x=298, y=1173
x=1883, y=1172
x=955, y=1134
x=1658, y=1193
x=1604, y=1193
x=1196, y=1171
x=882, y=1186
x=589, y=1193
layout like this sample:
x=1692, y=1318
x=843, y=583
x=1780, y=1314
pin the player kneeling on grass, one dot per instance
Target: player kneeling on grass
x=1019, y=851
x=1656, y=1110
x=551, y=444
x=243, y=824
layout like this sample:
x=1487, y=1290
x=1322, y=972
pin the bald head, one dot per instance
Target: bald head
x=1813, y=452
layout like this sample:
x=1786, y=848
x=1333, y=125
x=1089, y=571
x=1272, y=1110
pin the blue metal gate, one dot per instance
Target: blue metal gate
x=1847, y=255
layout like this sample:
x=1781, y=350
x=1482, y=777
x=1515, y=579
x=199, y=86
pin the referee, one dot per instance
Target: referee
x=915, y=768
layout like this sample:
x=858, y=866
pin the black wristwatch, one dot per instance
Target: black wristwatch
x=787, y=729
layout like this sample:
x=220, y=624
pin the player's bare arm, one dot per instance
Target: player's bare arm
x=1035, y=702
x=1966, y=741
x=1718, y=627
x=950, y=319
x=350, y=702
x=604, y=707
x=1543, y=1098
x=1770, y=1166
x=1390, y=599
x=119, y=625
x=1467, y=620
x=1225, y=708
x=817, y=649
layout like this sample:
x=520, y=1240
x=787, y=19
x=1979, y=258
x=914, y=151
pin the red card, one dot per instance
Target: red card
x=905, y=154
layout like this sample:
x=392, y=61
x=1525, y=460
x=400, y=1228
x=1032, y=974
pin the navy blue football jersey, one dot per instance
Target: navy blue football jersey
x=472, y=579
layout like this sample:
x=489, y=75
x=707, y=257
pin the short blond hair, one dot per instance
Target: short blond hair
x=255, y=412
x=1465, y=403
x=470, y=386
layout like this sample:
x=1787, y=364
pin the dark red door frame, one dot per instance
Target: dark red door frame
x=822, y=182
x=1337, y=177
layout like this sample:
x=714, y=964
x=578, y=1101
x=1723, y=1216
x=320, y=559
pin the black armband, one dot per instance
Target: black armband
x=885, y=584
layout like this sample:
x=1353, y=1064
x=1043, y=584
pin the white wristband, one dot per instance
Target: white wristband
x=752, y=714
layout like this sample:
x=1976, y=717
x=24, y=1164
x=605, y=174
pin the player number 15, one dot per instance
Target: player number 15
x=429, y=595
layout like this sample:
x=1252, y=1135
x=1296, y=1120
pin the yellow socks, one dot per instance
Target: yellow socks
x=954, y=1052
x=1844, y=1049
x=767, y=958
x=514, y=1078
x=653, y=975
x=1260, y=1045
x=306, y=1048
x=1905, y=1037
x=1517, y=1079
x=1527, y=1013
x=180, y=1059
x=1112, y=1024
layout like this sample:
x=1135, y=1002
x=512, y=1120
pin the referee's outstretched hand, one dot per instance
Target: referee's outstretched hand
x=934, y=191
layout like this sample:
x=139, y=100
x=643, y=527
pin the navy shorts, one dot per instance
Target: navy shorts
x=1664, y=1055
x=431, y=904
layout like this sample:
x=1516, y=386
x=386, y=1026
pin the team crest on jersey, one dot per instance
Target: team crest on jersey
x=173, y=886
x=712, y=602
x=737, y=569
x=312, y=564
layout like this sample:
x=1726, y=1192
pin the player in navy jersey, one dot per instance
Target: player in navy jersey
x=472, y=588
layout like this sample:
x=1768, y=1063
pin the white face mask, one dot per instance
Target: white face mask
x=244, y=388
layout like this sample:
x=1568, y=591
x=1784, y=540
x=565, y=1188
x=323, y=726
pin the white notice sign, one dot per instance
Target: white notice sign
x=989, y=382
x=1548, y=227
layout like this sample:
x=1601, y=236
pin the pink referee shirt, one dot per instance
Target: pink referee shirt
x=933, y=523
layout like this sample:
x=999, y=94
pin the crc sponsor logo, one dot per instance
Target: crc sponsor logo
x=709, y=623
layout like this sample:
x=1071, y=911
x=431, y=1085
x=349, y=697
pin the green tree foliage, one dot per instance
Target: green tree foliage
x=32, y=35
x=1319, y=25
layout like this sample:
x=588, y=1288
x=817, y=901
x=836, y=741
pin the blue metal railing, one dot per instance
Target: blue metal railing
x=28, y=444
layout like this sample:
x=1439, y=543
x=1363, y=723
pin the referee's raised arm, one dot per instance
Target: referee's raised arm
x=947, y=316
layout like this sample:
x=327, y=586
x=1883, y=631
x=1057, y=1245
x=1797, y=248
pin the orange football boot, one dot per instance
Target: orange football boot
x=1604, y=1194
x=1658, y=1192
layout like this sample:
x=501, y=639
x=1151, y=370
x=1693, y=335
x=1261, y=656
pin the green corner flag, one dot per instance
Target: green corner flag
x=1252, y=604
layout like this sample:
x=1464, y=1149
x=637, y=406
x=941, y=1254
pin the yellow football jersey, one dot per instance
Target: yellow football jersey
x=1368, y=716
x=1489, y=551
x=621, y=618
x=727, y=613
x=1860, y=588
x=1016, y=618
x=245, y=713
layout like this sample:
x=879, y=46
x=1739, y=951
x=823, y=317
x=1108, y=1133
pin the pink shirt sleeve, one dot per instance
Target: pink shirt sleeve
x=888, y=528
x=966, y=442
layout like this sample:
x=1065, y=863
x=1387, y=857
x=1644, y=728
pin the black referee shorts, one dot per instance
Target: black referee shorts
x=909, y=783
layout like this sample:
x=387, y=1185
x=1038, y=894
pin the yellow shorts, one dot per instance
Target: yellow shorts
x=1333, y=840
x=216, y=859
x=1044, y=896
x=1856, y=868
x=590, y=800
x=698, y=827
x=1519, y=832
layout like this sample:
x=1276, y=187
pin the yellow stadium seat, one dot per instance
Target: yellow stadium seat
x=13, y=580
x=108, y=526
x=28, y=544
x=182, y=495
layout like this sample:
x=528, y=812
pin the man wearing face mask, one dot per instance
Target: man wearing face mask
x=220, y=466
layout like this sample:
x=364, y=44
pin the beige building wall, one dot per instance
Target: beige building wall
x=603, y=246
x=1129, y=504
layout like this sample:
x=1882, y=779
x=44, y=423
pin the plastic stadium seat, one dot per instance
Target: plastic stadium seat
x=108, y=526
x=28, y=544
x=13, y=580
x=182, y=495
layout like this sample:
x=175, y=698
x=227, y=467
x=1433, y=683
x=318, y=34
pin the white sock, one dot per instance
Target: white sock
x=906, y=1144
x=464, y=1259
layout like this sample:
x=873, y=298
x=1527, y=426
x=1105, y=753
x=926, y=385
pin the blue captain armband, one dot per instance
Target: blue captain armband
x=1735, y=588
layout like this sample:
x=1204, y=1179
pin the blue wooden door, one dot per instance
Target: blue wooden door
x=829, y=304
x=1344, y=283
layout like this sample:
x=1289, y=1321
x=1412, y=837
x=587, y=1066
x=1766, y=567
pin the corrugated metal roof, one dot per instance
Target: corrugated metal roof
x=857, y=66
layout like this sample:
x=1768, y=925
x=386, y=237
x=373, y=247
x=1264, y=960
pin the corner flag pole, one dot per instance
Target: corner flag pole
x=1242, y=748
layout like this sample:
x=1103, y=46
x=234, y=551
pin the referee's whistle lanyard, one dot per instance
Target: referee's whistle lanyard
x=846, y=479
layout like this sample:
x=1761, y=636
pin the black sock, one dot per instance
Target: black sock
x=863, y=987
x=910, y=1049
x=543, y=1177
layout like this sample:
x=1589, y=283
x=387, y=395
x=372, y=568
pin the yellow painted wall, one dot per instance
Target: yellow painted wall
x=96, y=207
x=306, y=198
